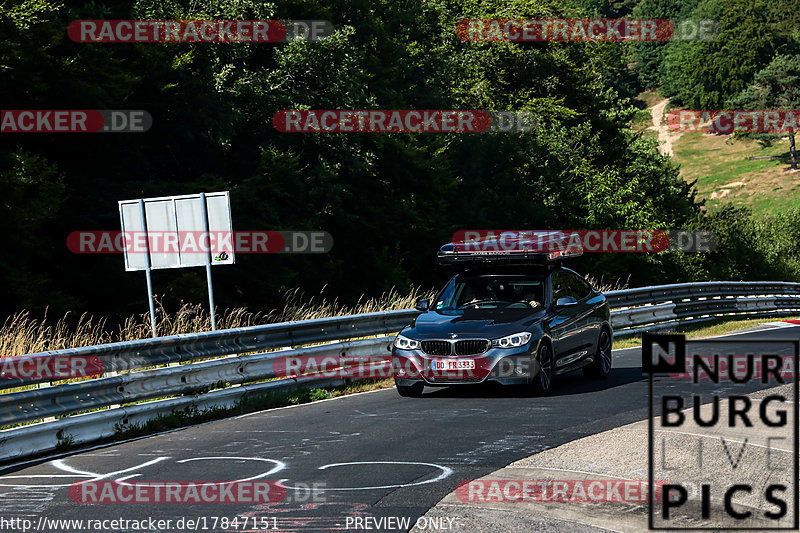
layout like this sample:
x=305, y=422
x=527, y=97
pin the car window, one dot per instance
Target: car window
x=568, y=284
x=586, y=286
x=516, y=291
x=560, y=285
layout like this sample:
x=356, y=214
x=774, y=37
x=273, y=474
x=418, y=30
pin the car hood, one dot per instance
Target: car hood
x=484, y=324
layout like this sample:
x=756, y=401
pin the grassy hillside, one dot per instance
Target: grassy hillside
x=724, y=171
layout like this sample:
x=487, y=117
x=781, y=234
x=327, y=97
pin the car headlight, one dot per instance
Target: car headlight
x=404, y=343
x=512, y=341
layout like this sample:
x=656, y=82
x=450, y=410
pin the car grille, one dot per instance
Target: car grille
x=463, y=347
x=436, y=347
x=472, y=347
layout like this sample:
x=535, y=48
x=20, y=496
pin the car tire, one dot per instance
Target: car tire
x=410, y=391
x=543, y=380
x=601, y=366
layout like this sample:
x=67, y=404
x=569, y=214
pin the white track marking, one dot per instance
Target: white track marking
x=279, y=465
x=74, y=472
x=446, y=472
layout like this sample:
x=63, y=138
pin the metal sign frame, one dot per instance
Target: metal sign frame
x=175, y=224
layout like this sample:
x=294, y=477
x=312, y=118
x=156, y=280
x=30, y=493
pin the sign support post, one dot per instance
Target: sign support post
x=147, y=268
x=204, y=209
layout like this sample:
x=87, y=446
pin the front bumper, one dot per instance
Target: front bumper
x=506, y=366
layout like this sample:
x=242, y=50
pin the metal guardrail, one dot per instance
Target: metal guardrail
x=669, y=306
x=708, y=289
x=234, y=372
x=132, y=355
x=187, y=379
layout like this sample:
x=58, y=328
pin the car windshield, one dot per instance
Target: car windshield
x=492, y=291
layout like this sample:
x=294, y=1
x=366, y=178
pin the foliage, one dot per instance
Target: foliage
x=389, y=200
x=705, y=74
x=648, y=57
x=753, y=249
x=777, y=86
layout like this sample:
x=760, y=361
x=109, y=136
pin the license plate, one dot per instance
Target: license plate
x=453, y=364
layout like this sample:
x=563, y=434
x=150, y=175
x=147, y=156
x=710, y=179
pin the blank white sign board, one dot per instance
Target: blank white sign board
x=179, y=219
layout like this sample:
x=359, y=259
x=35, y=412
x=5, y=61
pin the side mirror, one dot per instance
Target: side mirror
x=566, y=302
x=422, y=304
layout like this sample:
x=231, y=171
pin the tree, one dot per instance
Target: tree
x=705, y=74
x=389, y=200
x=648, y=57
x=777, y=87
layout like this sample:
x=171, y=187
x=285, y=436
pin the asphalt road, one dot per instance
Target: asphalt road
x=376, y=454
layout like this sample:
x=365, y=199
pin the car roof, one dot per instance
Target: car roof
x=487, y=252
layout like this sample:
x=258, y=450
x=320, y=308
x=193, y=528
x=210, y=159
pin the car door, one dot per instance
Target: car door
x=568, y=326
x=586, y=323
x=562, y=325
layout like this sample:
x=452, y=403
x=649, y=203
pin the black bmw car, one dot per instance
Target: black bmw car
x=505, y=323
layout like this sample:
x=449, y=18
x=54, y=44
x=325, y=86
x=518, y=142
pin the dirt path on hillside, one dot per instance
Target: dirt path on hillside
x=665, y=136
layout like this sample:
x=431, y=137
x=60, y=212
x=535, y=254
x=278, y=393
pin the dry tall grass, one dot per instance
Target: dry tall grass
x=22, y=334
x=604, y=286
